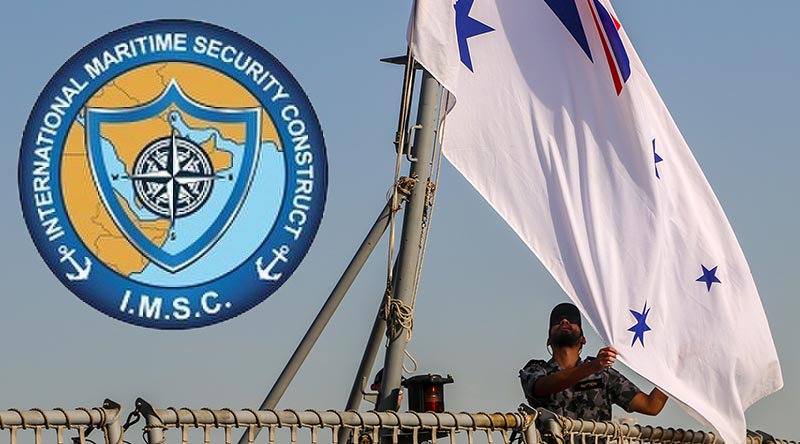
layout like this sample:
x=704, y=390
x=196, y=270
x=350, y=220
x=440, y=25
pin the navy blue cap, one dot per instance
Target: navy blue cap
x=565, y=310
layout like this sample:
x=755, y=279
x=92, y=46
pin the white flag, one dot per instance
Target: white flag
x=557, y=124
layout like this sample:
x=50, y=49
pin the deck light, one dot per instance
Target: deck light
x=426, y=392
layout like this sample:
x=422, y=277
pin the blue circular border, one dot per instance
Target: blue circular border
x=240, y=287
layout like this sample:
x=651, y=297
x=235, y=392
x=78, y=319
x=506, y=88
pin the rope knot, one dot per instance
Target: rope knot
x=405, y=185
x=398, y=316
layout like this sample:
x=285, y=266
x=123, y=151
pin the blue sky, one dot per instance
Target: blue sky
x=728, y=73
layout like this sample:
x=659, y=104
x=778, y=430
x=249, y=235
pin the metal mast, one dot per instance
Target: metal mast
x=410, y=243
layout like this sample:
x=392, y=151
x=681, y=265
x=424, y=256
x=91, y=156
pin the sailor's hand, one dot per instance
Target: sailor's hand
x=606, y=357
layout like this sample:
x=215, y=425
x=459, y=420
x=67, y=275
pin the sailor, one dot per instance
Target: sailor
x=376, y=386
x=581, y=388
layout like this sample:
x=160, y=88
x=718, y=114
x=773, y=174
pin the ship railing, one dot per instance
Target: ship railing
x=555, y=429
x=59, y=421
x=184, y=425
x=367, y=427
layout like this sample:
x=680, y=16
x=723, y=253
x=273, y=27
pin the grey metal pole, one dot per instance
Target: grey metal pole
x=367, y=361
x=410, y=241
x=325, y=313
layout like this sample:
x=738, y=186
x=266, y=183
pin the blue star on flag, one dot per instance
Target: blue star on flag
x=709, y=277
x=467, y=27
x=657, y=158
x=641, y=325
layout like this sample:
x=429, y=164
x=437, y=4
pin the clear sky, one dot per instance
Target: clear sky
x=728, y=72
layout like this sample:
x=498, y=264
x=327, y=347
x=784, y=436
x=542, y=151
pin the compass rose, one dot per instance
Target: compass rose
x=173, y=177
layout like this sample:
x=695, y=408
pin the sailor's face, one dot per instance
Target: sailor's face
x=565, y=333
x=564, y=325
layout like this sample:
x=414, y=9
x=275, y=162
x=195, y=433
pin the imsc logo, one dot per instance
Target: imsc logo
x=172, y=174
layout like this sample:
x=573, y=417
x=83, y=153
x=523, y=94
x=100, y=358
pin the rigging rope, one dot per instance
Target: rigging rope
x=400, y=140
x=394, y=312
x=430, y=198
x=397, y=314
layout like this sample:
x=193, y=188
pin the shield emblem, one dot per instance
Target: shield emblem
x=172, y=176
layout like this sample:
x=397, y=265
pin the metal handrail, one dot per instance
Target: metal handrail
x=561, y=430
x=82, y=420
x=534, y=426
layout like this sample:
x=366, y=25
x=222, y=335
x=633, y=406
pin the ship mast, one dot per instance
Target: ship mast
x=410, y=254
x=403, y=279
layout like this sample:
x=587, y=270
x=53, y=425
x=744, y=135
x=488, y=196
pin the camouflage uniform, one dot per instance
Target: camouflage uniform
x=591, y=398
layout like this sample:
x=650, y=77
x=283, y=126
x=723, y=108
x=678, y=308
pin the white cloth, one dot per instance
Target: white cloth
x=540, y=130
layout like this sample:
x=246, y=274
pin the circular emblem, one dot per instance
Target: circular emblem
x=173, y=174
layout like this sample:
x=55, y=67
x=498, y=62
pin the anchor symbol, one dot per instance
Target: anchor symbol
x=265, y=273
x=82, y=273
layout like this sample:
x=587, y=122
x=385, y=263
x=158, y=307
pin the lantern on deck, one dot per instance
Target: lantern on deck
x=426, y=392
